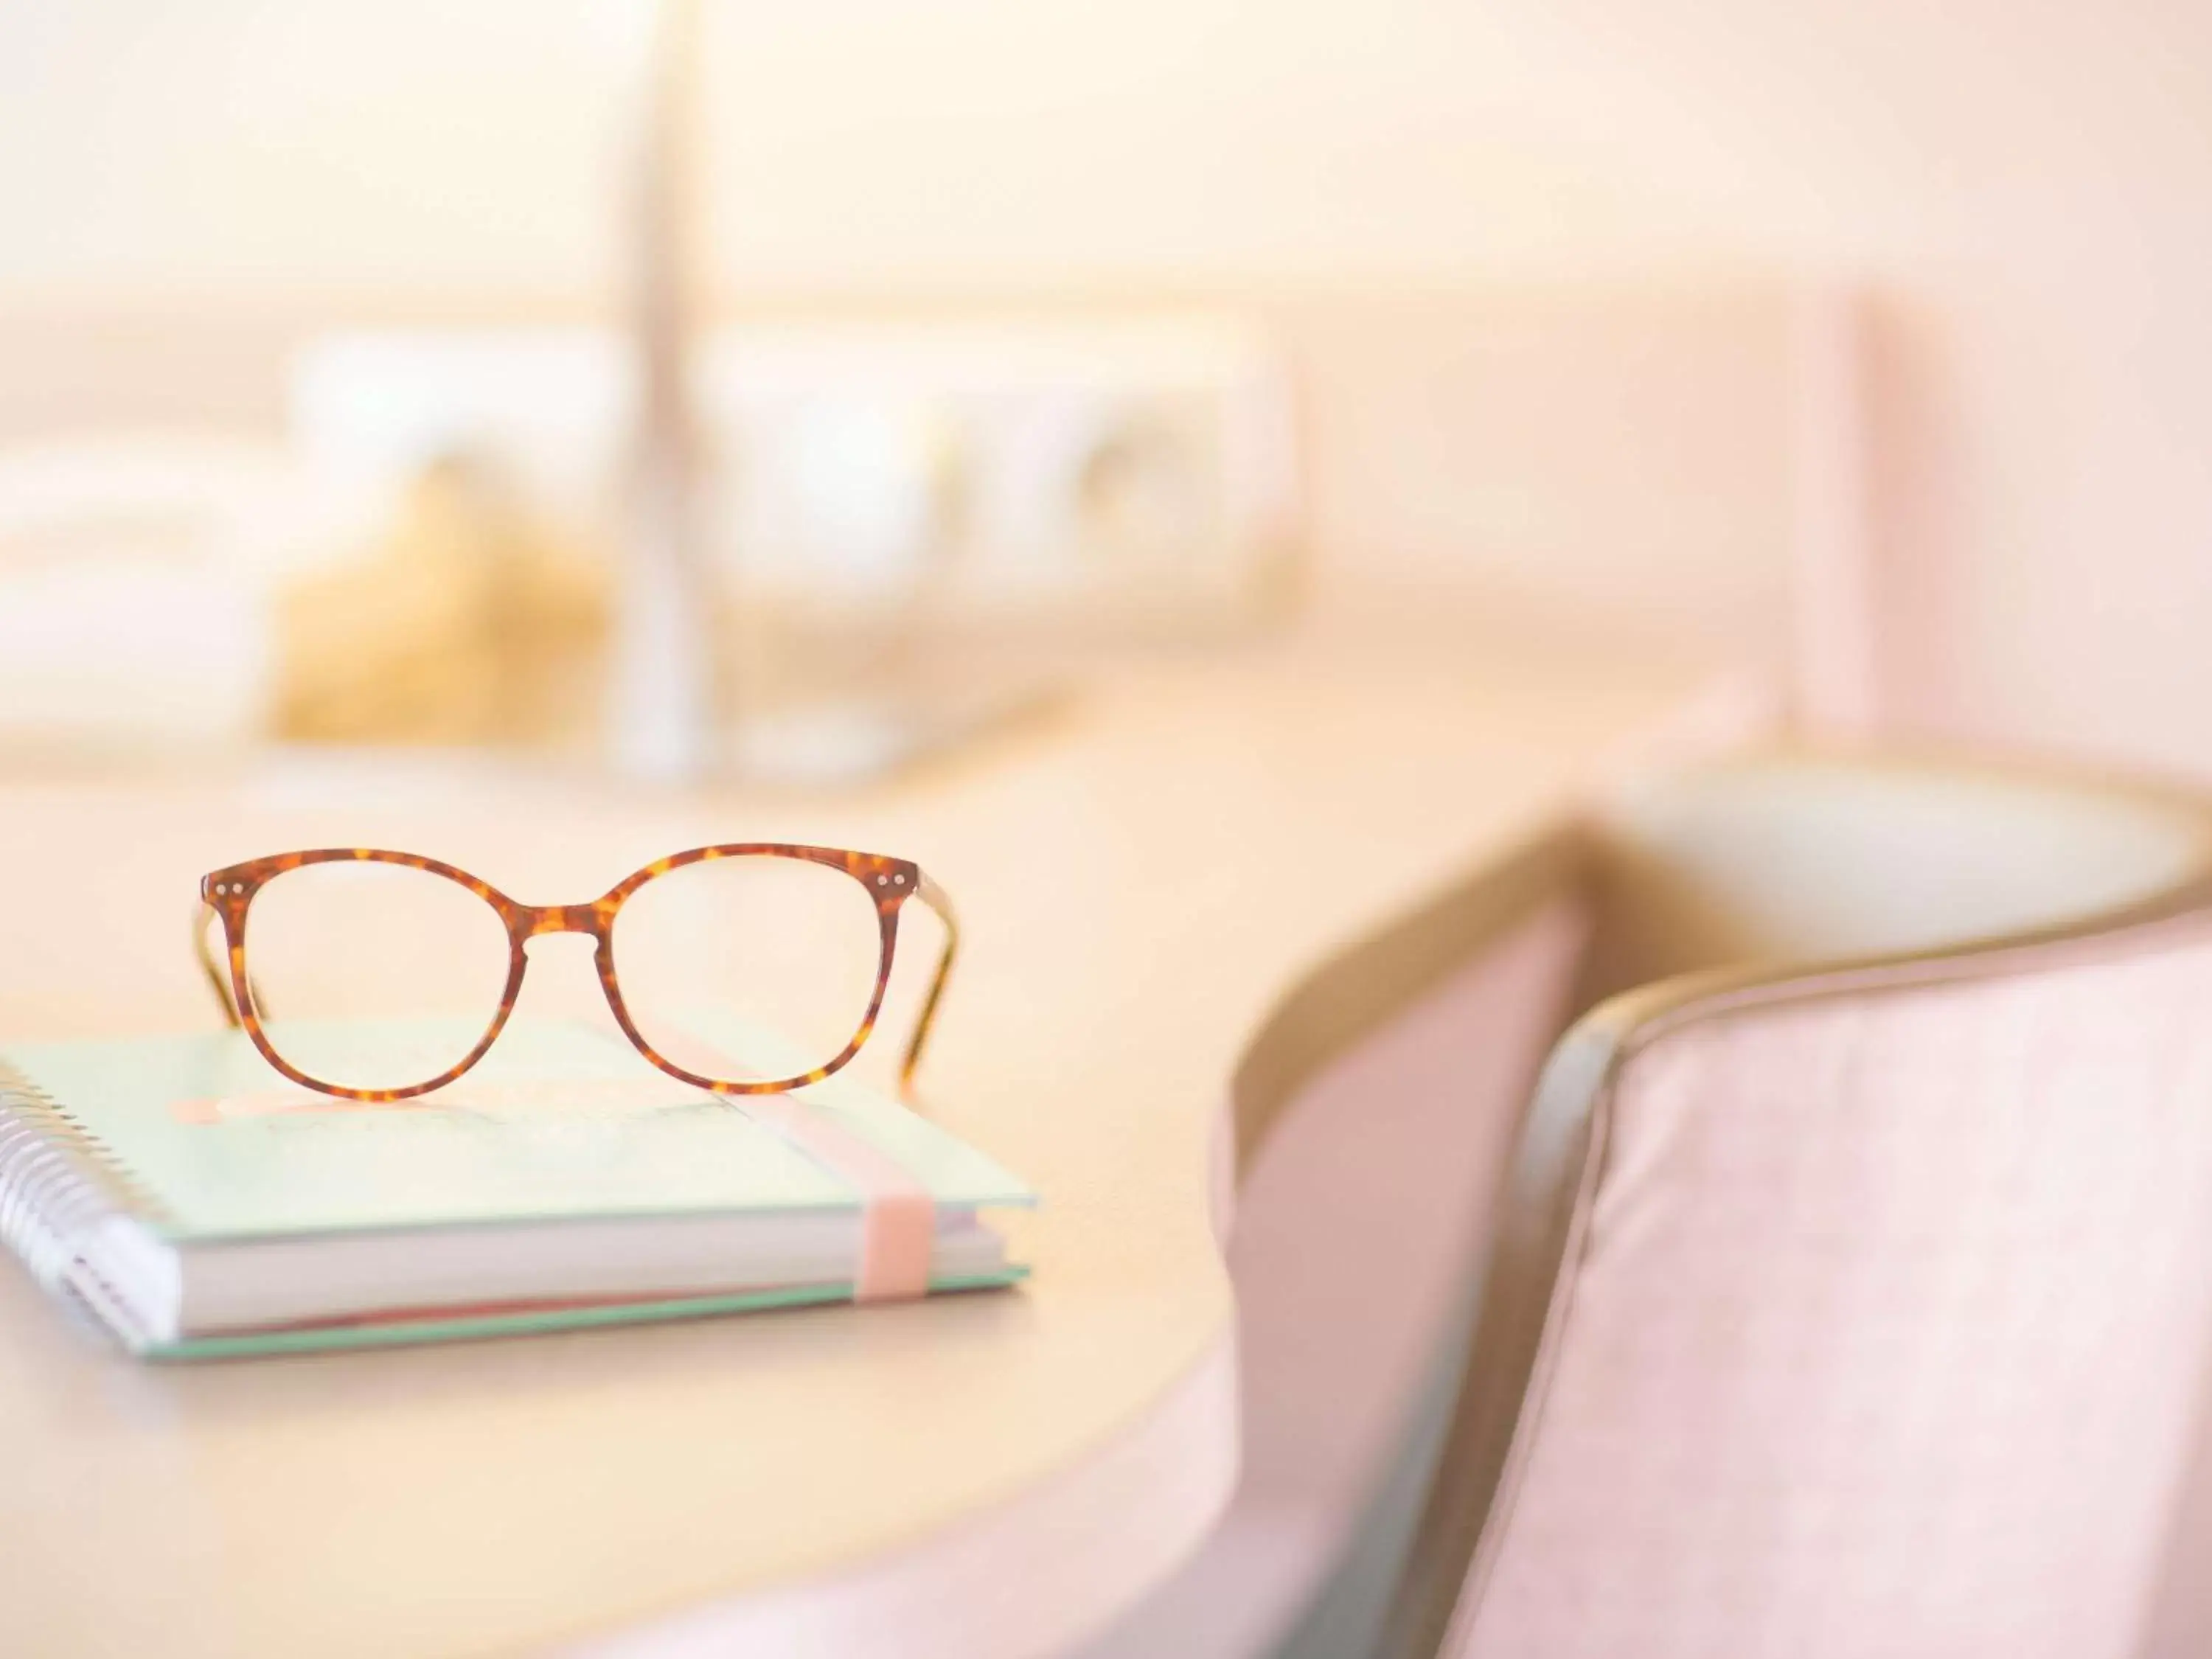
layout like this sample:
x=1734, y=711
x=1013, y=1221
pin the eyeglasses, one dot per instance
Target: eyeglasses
x=747, y=968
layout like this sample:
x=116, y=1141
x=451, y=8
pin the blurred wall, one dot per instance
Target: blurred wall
x=2027, y=188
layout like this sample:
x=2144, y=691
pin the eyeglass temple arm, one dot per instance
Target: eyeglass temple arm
x=933, y=896
x=211, y=965
x=218, y=982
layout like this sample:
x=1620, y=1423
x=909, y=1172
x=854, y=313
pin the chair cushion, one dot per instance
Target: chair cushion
x=1883, y=1322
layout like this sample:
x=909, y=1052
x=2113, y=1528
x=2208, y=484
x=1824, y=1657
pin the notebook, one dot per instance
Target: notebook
x=199, y=1205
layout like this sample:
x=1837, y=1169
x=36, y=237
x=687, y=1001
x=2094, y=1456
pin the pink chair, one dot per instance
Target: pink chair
x=1853, y=1289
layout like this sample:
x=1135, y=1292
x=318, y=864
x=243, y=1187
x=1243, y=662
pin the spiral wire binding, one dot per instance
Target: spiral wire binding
x=57, y=1181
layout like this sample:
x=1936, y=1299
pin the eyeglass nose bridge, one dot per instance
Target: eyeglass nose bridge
x=539, y=920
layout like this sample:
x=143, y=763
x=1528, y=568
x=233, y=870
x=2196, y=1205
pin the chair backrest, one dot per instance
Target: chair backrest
x=1856, y=1285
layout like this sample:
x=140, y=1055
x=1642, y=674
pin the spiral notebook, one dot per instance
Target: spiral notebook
x=198, y=1205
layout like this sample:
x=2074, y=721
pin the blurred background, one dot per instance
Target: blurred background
x=1863, y=343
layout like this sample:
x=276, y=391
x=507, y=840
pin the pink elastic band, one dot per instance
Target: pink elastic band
x=898, y=1217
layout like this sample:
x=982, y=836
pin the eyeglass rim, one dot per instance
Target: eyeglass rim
x=228, y=894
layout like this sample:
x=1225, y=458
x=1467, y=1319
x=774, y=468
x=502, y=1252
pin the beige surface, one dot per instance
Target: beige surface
x=1137, y=884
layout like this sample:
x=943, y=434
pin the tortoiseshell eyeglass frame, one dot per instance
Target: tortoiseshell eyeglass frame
x=228, y=894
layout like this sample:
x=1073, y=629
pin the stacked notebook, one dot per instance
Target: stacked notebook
x=199, y=1205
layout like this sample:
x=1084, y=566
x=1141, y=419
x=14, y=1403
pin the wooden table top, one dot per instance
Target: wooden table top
x=1139, y=880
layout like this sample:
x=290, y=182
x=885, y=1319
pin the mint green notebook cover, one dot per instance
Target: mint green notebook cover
x=558, y=1121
